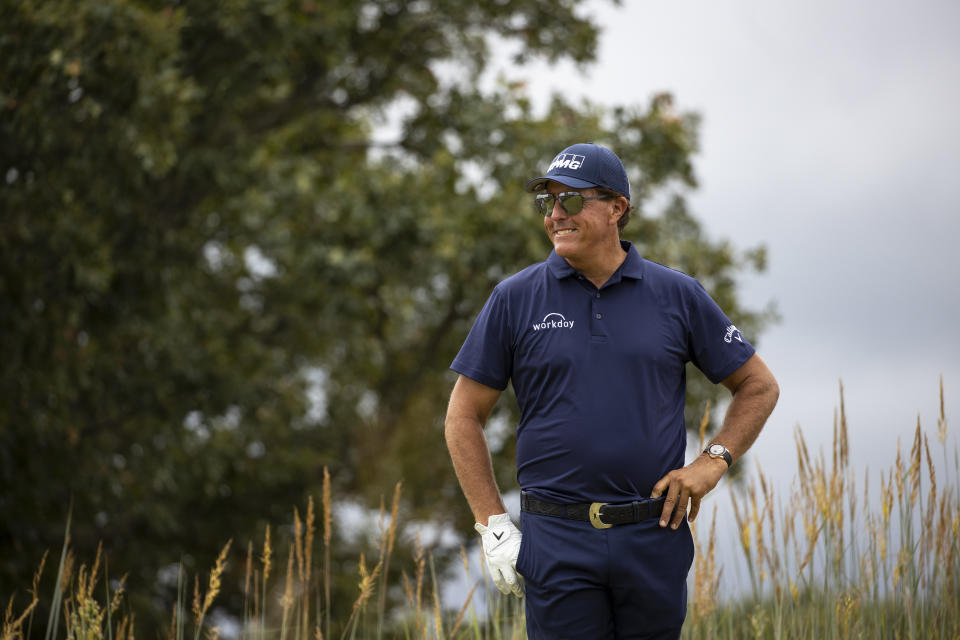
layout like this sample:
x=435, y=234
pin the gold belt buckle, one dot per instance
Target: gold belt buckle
x=595, y=516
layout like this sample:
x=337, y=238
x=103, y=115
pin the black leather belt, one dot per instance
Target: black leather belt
x=601, y=515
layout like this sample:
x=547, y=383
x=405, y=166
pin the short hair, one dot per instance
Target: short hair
x=610, y=193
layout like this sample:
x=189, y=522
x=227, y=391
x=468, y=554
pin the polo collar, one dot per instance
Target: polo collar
x=632, y=266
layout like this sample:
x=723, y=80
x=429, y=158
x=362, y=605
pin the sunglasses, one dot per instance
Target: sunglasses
x=570, y=201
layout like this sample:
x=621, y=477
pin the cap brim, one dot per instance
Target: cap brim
x=538, y=184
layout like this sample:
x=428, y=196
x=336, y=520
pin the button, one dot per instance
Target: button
x=598, y=316
x=598, y=294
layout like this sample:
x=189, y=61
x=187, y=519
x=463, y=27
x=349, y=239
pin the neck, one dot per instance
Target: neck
x=599, y=267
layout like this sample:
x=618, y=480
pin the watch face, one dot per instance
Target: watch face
x=716, y=449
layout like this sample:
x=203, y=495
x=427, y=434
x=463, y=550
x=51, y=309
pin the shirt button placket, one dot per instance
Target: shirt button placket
x=597, y=329
x=597, y=315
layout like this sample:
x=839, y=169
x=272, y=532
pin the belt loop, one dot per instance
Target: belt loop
x=636, y=511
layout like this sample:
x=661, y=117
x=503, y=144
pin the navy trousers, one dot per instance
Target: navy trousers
x=582, y=583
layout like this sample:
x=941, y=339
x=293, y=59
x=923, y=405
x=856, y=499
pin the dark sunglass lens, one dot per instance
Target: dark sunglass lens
x=572, y=203
x=543, y=203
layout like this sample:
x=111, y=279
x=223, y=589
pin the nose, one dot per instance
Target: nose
x=557, y=208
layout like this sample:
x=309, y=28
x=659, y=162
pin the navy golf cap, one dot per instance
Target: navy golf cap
x=585, y=165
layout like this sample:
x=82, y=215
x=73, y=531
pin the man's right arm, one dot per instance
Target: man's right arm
x=470, y=406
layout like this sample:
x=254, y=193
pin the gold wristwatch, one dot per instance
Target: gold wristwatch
x=719, y=451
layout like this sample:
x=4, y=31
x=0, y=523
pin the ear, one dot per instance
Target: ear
x=619, y=208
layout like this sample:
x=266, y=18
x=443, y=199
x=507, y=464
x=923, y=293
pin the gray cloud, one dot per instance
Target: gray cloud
x=830, y=134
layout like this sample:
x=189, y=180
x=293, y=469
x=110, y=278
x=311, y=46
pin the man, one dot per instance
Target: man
x=595, y=341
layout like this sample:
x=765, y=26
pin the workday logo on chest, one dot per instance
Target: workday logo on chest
x=553, y=321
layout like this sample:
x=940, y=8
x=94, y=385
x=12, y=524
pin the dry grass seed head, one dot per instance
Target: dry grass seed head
x=308, y=561
x=763, y=479
x=125, y=628
x=705, y=577
x=437, y=617
x=248, y=570
x=287, y=598
x=367, y=581
x=118, y=592
x=327, y=508
x=420, y=561
x=847, y=610
x=463, y=610
x=267, y=554
x=13, y=628
x=308, y=548
x=942, y=525
x=813, y=534
x=8, y=614
x=931, y=473
x=394, y=511
x=298, y=543
x=197, y=602
x=742, y=523
x=34, y=589
x=407, y=587
x=916, y=453
x=704, y=421
x=67, y=575
x=213, y=588
x=886, y=497
x=11, y=625
x=171, y=634
x=94, y=571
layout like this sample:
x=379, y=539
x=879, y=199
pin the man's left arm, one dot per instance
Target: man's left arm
x=755, y=392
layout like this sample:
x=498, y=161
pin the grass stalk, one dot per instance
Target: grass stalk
x=822, y=561
x=54, y=618
x=327, y=536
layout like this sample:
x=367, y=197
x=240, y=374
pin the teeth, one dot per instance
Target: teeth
x=563, y=232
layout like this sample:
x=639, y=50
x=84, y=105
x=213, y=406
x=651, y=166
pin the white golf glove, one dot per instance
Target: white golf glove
x=501, y=546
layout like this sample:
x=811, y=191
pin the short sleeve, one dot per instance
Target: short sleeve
x=716, y=345
x=487, y=355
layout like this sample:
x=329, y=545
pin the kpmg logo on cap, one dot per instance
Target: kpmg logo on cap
x=553, y=321
x=566, y=161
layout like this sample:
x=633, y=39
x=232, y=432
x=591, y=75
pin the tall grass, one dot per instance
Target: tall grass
x=830, y=562
x=293, y=606
x=827, y=560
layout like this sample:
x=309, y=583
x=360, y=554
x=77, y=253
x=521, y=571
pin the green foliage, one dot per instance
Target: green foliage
x=216, y=279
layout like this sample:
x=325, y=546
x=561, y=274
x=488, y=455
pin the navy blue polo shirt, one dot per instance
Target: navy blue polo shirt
x=599, y=373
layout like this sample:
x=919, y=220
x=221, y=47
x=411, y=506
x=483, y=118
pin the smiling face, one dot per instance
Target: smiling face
x=585, y=237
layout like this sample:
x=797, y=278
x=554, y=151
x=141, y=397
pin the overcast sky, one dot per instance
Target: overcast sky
x=830, y=133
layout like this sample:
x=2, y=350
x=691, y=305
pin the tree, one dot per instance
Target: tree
x=217, y=280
